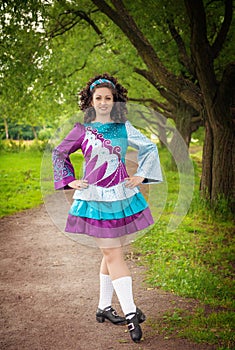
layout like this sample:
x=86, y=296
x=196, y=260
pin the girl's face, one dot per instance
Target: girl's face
x=102, y=101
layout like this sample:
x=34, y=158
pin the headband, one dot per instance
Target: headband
x=101, y=81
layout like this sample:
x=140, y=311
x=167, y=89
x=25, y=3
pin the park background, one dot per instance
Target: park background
x=176, y=58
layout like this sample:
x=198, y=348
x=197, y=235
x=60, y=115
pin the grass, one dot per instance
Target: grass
x=20, y=181
x=195, y=261
x=21, y=186
x=198, y=326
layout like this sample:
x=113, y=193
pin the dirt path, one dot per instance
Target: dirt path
x=49, y=293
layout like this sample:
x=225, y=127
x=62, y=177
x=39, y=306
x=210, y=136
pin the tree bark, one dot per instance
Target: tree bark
x=206, y=178
x=183, y=117
x=6, y=128
x=223, y=166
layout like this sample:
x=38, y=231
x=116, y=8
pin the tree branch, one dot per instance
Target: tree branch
x=221, y=37
x=183, y=56
x=161, y=108
x=154, y=103
x=78, y=16
x=63, y=28
x=169, y=95
x=197, y=18
x=156, y=123
x=183, y=88
x=200, y=48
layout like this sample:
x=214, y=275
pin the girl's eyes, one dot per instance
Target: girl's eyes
x=106, y=98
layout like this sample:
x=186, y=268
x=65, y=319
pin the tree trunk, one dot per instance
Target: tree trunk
x=206, y=179
x=218, y=178
x=6, y=128
x=34, y=132
x=181, y=138
x=183, y=119
x=162, y=130
x=218, y=174
x=223, y=165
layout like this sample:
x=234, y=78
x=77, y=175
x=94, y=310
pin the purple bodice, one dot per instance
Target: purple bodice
x=104, y=148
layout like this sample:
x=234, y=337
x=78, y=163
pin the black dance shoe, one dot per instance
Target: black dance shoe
x=140, y=315
x=109, y=314
x=133, y=325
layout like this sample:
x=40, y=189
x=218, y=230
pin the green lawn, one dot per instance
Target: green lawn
x=20, y=181
x=20, y=176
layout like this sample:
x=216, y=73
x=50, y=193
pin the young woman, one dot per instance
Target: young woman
x=107, y=202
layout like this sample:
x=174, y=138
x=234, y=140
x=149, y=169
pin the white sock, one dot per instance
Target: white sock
x=123, y=289
x=106, y=291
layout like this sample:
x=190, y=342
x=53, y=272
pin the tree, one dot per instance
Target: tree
x=169, y=59
x=214, y=95
x=218, y=177
x=21, y=58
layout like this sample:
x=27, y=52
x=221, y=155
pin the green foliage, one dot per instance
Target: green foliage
x=12, y=146
x=50, y=51
x=49, y=64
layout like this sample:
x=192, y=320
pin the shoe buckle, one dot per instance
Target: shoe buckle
x=131, y=326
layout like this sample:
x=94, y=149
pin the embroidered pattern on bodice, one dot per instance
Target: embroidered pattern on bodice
x=104, y=166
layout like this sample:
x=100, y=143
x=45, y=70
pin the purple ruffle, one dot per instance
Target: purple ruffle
x=109, y=228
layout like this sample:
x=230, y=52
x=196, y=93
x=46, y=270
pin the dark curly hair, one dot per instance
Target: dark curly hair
x=119, y=111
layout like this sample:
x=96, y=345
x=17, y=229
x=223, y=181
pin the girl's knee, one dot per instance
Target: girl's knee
x=112, y=254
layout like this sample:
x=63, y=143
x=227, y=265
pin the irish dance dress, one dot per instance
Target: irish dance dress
x=107, y=208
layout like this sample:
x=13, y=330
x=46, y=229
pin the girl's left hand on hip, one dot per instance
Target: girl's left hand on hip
x=133, y=181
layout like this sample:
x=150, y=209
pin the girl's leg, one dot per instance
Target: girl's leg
x=106, y=287
x=119, y=272
x=114, y=262
x=105, y=310
x=122, y=283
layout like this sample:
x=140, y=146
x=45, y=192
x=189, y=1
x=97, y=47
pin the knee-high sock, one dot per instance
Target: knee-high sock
x=106, y=291
x=123, y=289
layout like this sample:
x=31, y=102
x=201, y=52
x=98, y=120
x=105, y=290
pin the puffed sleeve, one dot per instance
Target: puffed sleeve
x=63, y=168
x=148, y=159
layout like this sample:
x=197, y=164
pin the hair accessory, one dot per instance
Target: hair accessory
x=101, y=81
